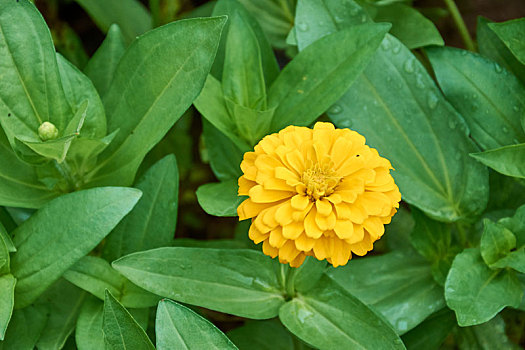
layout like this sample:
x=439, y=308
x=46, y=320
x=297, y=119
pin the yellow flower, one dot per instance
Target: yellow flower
x=319, y=192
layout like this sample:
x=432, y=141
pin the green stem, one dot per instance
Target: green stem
x=65, y=171
x=460, y=23
x=290, y=282
x=462, y=234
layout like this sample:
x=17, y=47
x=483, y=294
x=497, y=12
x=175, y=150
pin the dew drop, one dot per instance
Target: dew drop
x=452, y=124
x=385, y=45
x=354, y=11
x=335, y=109
x=463, y=52
x=363, y=18
x=419, y=81
x=303, y=315
x=498, y=68
x=505, y=129
x=409, y=65
x=396, y=49
x=302, y=27
x=339, y=19
x=515, y=141
x=516, y=109
x=432, y=100
x=347, y=123
x=402, y=324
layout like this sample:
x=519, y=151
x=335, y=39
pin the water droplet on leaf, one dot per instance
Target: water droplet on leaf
x=409, y=65
x=432, y=100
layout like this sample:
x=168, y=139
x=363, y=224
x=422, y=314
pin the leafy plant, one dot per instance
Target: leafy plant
x=101, y=226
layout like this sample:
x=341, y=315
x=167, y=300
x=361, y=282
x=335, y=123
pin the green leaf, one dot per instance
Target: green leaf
x=276, y=18
x=511, y=33
x=307, y=86
x=121, y=331
x=243, y=79
x=508, y=160
x=251, y=125
x=398, y=108
x=486, y=336
x=102, y=65
x=64, y=301
x=475, y=292
x=496, y=242
x=151, y=224
x=19, y=184
x=254, y=336
x=408, y=25
x=487, y=96
x=398, y=285
x=178, y=327
x=4, y=236
x=315, y=19
x=240, y=282
x=432, y=239
x=432, y=332
x=131, y=16
x=212, y=105
x=328, y=317
x=225, y=157
x=308, y=274
x=30, y=89
x=79, y=88
x=88, y=333
x=220, y=198
x=95, y=275
x=7, y=301
x=516, y=224
x=492, y=47
x=90, y=214
x=177, y=57
x=25, y=328
x=268, y=61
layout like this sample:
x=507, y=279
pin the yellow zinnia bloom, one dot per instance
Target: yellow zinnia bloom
x=320, y=192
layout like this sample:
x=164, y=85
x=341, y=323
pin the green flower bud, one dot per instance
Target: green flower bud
x=47, y=131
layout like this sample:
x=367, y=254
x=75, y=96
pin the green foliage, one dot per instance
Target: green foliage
x=100, y=223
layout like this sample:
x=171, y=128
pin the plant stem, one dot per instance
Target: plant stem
x=460, y=23
x=65, y=171
x=462, y=235
x=290, y=282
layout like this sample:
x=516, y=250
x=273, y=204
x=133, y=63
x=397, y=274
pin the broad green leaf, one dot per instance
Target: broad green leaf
x=487, y=96
x=268, y=61
x=73, y=225
x=64, y=301
x=408, y=25
x=505, y=192
x=308, y=274
x=79, y=88
x=177, y=58
x=6, y=220
x=95, y=275
x=121, y=331
x=131, y=16
x=30, y=89
x=475, y=292
x=432, y=332
x=19, y=184
x=432, y=239
x=491, y=46
x=486, y=336
x=6, y=238
x=25, y=328
x=397, y=233
x=243, y=78
x=508, y=160
x=496, y=242
x=151, y=224
x=307, y=86
x=276, y=18
x=514, y=260
x=212, y=104
x=213, y=243
x=178, y=327
x=102, y=65
x=398, y=108
x=315, y=19
x=7, y=301
x=328, y=317
x=220, y=198
x=511, y=33
x=398, y=285
x=88, y=333
x=516, y=224
x=240, y=282
x=225, y=157
x=251, y=124
x=254, y=335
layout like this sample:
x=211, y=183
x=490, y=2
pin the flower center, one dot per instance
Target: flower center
x=320, y=181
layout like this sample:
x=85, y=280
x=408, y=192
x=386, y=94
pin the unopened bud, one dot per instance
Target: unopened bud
x=47, y=131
